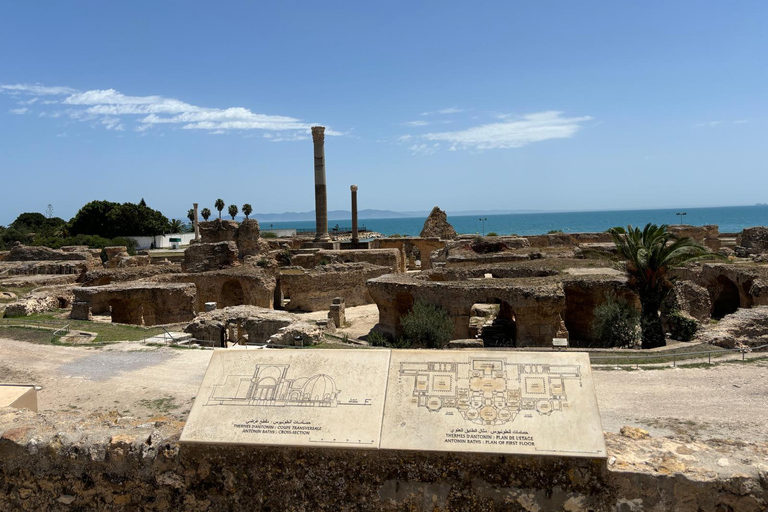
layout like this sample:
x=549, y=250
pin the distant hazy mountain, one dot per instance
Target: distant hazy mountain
x=334, y=215
x=373, y=214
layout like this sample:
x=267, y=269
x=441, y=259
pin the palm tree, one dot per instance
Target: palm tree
x=205, y=212
x=649, y=256
x=175, y=226
x=219, y=204
x=191, y=215
x=247, y=210
x=232, y=210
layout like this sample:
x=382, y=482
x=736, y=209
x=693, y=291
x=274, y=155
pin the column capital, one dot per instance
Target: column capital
x=353, y=188
x=318, y=134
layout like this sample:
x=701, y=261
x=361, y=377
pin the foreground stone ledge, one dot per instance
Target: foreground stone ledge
x=64, y=461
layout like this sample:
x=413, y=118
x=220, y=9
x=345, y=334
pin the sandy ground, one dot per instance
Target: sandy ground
x=728, y=401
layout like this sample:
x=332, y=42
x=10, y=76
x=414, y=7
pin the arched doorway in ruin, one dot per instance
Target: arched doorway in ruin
x=726, y=298
x=278, y=297
x=494, y=323
x=231, y=294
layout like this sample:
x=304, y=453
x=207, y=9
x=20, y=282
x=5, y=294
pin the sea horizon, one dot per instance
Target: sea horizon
x=729, y=219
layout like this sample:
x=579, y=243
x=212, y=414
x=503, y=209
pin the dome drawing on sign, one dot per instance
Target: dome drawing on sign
x=269, y=385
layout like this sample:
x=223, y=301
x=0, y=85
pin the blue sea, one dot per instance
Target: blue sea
x=730, y=219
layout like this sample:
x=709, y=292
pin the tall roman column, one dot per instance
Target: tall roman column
x=197, y=228
x=353, y=188
x=321, y=200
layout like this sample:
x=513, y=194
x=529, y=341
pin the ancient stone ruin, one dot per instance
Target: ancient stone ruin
x=437, y=226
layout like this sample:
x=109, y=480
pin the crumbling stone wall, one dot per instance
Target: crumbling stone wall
x=48, y=464
x=537, y=304
x=391, y=258
x=754, y=240
x=230, y=287
x=314, y=289
x=138, y=303
x=406, y=246
x=210, y=256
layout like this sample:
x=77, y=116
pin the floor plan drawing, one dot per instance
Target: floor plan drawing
x=270, y=385
x=491, y=391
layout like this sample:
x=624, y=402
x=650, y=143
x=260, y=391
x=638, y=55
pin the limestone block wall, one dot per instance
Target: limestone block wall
x=315, y=289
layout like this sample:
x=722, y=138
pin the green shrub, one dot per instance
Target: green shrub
x=325, y=261
x=492, y=233
x=427, y=326
x=555, y=232
x=269, y=234
x=376, y=339
x=284, y=257
x=617, y=323
x=263, y=262
x=682, y=327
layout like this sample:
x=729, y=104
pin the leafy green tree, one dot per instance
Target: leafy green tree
x=219, y=204
x=205, y=212
x=143, y=203
x=175, y=226
x=427, y=325
x=247, y=210
x=650, y=254
x=232, y=211
x=191, y=215
x=109, y=220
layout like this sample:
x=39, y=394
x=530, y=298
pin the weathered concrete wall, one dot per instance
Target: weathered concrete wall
x=315, y=289
x=584, y=294
x=47, y=464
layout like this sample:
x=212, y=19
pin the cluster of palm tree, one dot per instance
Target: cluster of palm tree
x=219, y=205
x=650, y=254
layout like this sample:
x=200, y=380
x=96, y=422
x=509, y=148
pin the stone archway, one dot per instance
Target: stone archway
x=231, y=294
x=726, y=298
x=494, y=323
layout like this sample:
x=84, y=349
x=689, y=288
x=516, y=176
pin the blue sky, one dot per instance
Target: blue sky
x=465, y=105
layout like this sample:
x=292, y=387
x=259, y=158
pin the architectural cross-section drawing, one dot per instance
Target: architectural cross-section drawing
x=270, y=385
x=490, y=391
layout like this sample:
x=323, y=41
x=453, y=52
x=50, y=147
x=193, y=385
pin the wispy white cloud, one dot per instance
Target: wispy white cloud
x=741, y=121
x=416, y=123
x=449, y=110
x=35, y=89
x=19, y=111
x=28, y=102
x=708, y=124
x=424, y=149
x=112, y=109
x=521, y=131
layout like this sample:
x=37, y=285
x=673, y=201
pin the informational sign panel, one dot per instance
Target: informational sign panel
x=492, y=401
x=291, y=397
x=534, y=403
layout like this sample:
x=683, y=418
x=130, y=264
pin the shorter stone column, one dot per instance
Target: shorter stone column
x=353, y=188
x=197, y=228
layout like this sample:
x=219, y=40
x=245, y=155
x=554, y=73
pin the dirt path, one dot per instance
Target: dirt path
x=728, y=401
